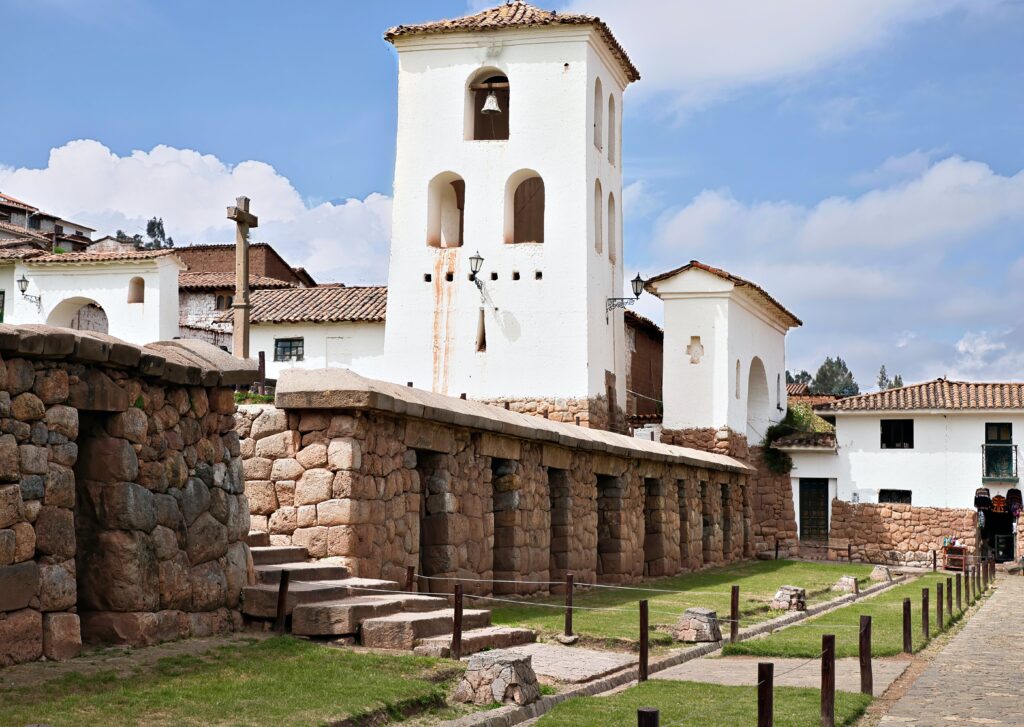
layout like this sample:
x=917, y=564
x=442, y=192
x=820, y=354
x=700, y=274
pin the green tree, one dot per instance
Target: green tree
x=884, y=382
x=834, y=377
x=801, y=378
x=897, y=382
x=156, y=237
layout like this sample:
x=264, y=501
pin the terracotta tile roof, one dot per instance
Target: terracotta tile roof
x=102, y=257
x=24, y=232
x=806, y=440
x=207, y=281
x=756, y=290
x=937, y=394
x=7, y=199
x=638, y=321
x=798, y=389
x=18, y=253
x=325, y=304
x=517, y=15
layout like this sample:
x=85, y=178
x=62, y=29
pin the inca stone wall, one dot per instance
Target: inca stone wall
x=121, y=493
x=591, y=413
x=382, y=477
x=769, y=496
x=902, y=533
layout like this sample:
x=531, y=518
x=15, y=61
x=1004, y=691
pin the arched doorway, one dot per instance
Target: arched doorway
x=758, y=404
x=82, y=314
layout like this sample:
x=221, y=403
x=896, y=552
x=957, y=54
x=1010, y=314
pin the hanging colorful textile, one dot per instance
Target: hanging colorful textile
x=982, y=500
x=998, y=504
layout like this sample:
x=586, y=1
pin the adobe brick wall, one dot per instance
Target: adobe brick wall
x=902, y=533
x=122, y=510
x=644, y=354
x=221, y=258
x=381, y=491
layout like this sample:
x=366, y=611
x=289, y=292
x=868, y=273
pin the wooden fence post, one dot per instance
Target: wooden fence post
x=568, y=604
x=457, y=624
x=867, y=681
x=983, y=567
x=765, y=695
x=647, y=717
x=959, y=587
x=734, y=615
x=643, y=640
x=776, y=549
x=849, y=552
x=410, y=578
x=282, y=602
x=908, y=638
x=938, y=607
x=935, y=561
x=828, y=680
x=924, y=613
x=949, y=597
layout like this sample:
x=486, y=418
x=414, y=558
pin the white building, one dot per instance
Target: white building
x=131, y=295
x=725, y=352
x=509, y=145
x=319, y=327
x=929, y=445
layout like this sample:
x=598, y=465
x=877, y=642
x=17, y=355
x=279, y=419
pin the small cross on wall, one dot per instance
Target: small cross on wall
x=695, y=350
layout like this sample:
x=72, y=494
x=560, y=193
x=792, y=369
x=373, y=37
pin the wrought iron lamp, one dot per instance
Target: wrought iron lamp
x=23, y=287
x=638, y=288
x=476, y=263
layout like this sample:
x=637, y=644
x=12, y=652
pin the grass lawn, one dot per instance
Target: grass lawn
x=885, y=610
x=280, y=680
x=689, y=704
x=758, y=581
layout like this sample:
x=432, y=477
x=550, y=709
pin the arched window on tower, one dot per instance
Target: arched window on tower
x=446, y=202
x=488, y=106
x=524, y=207
x=613, y=229
x=598, y=217
x=136, y=290
x=598, y=110
x=612, y=123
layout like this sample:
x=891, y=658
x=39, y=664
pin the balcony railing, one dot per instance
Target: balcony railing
x=999, y=461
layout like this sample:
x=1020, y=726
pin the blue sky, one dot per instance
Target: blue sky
x=861, y=159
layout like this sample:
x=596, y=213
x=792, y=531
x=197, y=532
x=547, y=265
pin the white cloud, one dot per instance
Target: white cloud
x=697, y=50
x=86, y=181
x=898, y=274
x=895, y=169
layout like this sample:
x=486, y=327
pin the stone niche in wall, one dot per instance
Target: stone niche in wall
x=122, y=506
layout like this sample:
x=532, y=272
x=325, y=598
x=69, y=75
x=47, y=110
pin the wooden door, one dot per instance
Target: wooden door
x=814, y=510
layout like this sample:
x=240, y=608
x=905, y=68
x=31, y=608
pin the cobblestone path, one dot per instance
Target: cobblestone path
x=976, y=679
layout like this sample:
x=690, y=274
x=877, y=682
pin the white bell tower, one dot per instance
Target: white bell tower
x=509, y=150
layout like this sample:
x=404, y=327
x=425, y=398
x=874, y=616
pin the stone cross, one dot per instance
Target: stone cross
x=244, y=220
x=695, y=350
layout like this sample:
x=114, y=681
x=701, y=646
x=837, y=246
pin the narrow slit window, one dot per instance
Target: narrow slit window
x=481, y=332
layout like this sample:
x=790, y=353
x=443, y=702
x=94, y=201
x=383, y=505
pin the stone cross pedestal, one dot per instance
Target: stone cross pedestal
x=244, y=221
x=698, y=625
x=789, y=598
x=498, y=676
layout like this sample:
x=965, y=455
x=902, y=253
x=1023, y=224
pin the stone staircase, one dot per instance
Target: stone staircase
x=324, y=600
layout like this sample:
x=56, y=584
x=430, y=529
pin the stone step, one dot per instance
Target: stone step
x=257, y=539
x=313, y=571
x=260, y=601
x=337, y=618
x=403, y=630
x=273, y=554
x=474, y=640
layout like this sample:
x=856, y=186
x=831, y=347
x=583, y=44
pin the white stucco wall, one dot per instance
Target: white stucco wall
x=530, y=323
x=942, y=470
x=65, y=288
x=356, y=346
x=731, y=329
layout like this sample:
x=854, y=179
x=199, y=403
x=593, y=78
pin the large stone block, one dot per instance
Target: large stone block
x=7, y=543
x=51, y=386
x=313, y=487
x=24, y=539
x=62, y=636
x=276, y=446
x=10, y=504
x=97, y=392
x=59, y=486
x=63, y=420
x=284, y=521
x=55, y=532
x=19, y=584
x=270, y=421
x=33, y=460
x=58, y=590
x=286, y=469
x=131, y=424
x=426, y=435
x=133, y=628
x=193, y=499
x=21, y=636
x=207, y=539
x=106, y=459
x=27, y=407
x=175, y=584
x=119, y=573
x=344, y=453
x=257, y=468
x=314, y=540
x=236, y=572
x=311, y=456
x=209, y=586
x=9, y=461
x=498, y=676
x=124, y=506
x=20, y=375
x=698, y=625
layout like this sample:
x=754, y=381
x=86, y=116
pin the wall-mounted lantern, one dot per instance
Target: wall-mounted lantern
x=638, y=287
x=23, y=287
